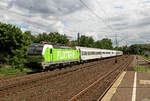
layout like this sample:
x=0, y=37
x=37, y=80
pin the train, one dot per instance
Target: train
x=47, y=55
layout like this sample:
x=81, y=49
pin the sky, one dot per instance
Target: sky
x=128, y=19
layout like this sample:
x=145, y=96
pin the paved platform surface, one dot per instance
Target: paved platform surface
x=130, y=86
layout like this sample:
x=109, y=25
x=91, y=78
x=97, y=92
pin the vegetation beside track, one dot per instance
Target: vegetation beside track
x=148, y=57
x=141, y=69
x=13, y=71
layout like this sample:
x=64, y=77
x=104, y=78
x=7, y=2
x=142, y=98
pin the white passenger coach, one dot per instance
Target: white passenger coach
x=95, y=53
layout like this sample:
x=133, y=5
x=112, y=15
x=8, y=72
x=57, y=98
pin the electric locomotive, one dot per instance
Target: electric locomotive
x=45, y=54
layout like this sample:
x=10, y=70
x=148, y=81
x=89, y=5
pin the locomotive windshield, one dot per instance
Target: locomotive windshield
x=35, y=49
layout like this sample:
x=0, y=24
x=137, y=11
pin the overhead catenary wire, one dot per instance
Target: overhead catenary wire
x=101, y=19
x=103, y=22
x=108, y=26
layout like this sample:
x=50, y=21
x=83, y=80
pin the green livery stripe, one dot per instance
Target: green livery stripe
x=60, y=54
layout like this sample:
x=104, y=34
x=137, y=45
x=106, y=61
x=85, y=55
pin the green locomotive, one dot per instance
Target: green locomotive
x=46, y=54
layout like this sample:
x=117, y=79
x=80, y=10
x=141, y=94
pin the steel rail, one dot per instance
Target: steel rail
x=31, y=85
x=74, y=98
x=103, y=94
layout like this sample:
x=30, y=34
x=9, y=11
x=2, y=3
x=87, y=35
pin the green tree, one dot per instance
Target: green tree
x=104, y=44
x=139, y=49
x=90, y=42
x=53, y=37
x=13, y=45
x=28, y=37
x=74, y=43
x=86, y=41
x=83, y=41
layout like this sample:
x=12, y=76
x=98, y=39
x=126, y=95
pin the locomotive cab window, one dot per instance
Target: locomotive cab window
x=35, y=49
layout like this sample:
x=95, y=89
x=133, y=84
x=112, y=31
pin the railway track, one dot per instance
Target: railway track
x=11, y=76
x=143, y=64
x=26, y=82
x=25, y=76
x=64, y=97
x=97, y=89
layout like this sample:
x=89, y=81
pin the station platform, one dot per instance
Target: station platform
x=130, y=86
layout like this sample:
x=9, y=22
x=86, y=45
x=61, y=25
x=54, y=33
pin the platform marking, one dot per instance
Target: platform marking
x=144, y=82
x=134, y=87
x=113, y=89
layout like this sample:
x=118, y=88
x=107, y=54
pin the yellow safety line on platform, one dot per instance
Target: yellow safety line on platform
x=113, y=89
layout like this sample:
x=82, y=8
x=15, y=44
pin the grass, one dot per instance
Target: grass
x=147, y=57
x=141, y=69
x=13, y=71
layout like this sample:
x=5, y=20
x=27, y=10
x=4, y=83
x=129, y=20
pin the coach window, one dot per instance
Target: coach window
x=83, y=53
x=86, y=53
x=90, y=53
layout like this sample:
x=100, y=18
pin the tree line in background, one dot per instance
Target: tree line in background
x=139, y=49
x=14, y=44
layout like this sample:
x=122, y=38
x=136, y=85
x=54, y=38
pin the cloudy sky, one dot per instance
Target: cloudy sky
x=129, y=19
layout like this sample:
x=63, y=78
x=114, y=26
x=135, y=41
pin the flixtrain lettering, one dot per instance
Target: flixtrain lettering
x=65, y=54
